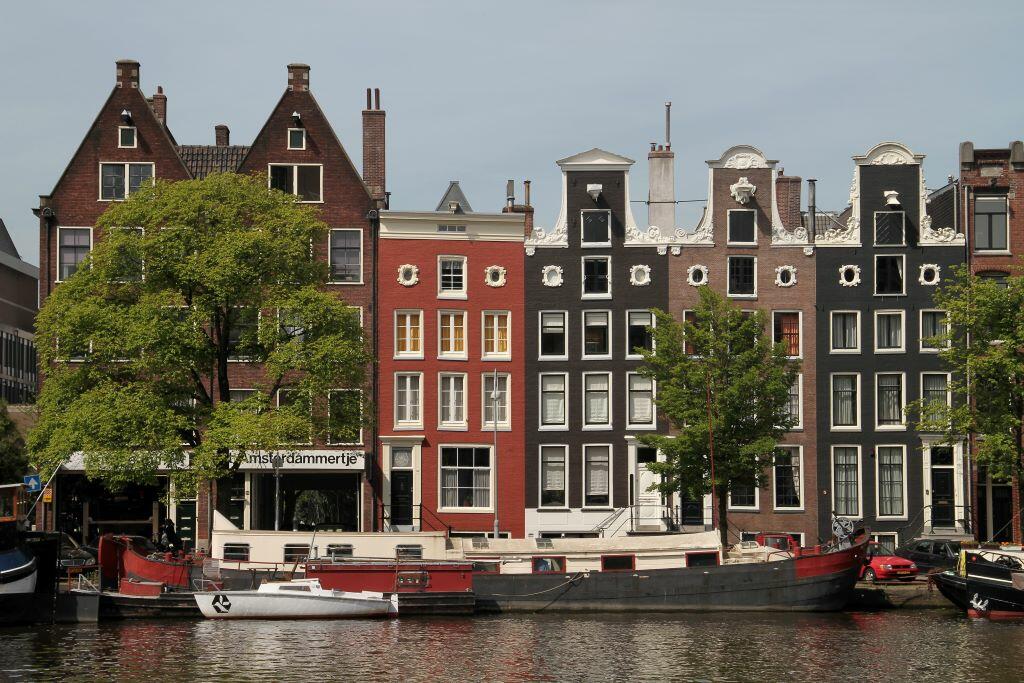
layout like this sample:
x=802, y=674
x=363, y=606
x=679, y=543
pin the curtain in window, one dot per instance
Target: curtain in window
x=414, y=332
x=890, y=481
x=844, y=399
x=457, y=334
x=553, y=469
x=641, y=400
x=597, y=474
x=890, y=331
x=845, y=460
x=890, y=399
x=501, y=335
x=553, y=389
x=450, y=487
x=597, y=399
x=481, y=487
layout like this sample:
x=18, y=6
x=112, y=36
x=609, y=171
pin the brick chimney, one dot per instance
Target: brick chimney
x=661, y=181
x=787, y=195
x=374, y=147
x=127, y=73
x=298, y=77
x=222, y=135
x=158, y=103
x=524, y=208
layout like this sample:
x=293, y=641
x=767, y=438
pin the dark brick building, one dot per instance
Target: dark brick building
x=19, y=291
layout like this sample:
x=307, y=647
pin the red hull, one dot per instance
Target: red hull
x=120, y=559
x=387, y=577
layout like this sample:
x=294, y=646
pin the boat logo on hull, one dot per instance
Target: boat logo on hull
x=980, y=605
x=221, y=604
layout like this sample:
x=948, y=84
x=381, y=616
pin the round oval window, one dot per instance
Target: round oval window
x=930, y=275
x=407, y=274
x=697, y=276
x=785, y=276
x=494, y=275
x=849, y=275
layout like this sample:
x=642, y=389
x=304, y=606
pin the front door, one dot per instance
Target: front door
x=401, y=498
x=943, y=503
x=649, y=508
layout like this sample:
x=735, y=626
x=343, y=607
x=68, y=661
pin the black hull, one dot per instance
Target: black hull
x=116, y=606
x=953, y=588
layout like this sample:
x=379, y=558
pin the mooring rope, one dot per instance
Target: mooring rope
x=575, y=577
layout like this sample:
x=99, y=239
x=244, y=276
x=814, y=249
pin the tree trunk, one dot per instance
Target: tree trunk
x=723, y=522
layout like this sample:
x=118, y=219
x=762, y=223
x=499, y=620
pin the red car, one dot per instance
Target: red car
x=882, y=565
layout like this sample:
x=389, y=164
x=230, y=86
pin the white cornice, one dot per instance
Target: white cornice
x=422, y=225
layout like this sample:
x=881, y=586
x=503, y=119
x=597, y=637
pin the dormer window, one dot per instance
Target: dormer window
x=297, y=138
x=889, y=229
x=127, y=137
x=596, y=228
x=742, y=226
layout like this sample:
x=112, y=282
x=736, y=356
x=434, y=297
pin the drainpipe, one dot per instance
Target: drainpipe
x=812, y=209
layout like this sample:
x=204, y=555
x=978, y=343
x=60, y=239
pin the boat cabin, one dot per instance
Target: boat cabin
x=13, y=503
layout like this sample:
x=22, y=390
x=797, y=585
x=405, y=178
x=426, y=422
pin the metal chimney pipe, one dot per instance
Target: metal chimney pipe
x=376, y=98
x=526, y=191
x=668, y=125
x=510, y=193
x=812, y=209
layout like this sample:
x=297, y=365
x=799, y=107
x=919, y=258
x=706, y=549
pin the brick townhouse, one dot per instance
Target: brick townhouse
x=19, y=291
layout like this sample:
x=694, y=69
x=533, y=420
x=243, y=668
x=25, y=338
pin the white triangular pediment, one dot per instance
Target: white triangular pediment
x=595, y=157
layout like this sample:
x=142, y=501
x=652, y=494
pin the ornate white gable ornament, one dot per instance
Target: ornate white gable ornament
x=929, y=275
x=785, y=276
x=551, y=276
x=494, y=276
x=408, y=274
x=640, y=275
x=697, y=275
x=742, y=190
x=849, y=275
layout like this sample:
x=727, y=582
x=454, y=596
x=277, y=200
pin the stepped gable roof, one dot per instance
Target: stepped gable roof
x=6, y=243
x=454, y=194
x=202, y=160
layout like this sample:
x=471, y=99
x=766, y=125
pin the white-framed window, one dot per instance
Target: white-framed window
x=290, y=325
x=120, y=179
x=742, y=228
x=891, y=475
x=787, y=478
x=553, y=341
x=73, y=245
x=465, y=474
x=297, y=138
x=639, y=332
x=451, y=400
x=346, y=254
x=597, y=400
x=846, y=481
x=844, y=331
x=991, y=213
x=595, y=228
x=795, y=406
x=408, y=334
x=786, y=329
x=451, y=335
x=553, y=475
x=640, y=410
x=934, y=323
x=127, y=137
x=890, y=401
x=597, y=480
x=845, y=401
x=129, y=261
x=889, y=229
x=305, y=181
x=935, y=392
x=408, y=400
x=743, y=496
x=597, y=334
x=451, y=228
x=890, y=274
x=243, y=329
x=496, y=395
x=597, y=277
x=887, y=542
x=497, y=331
x=451, y=277
x=890, y=331
x=292, y=399
x=553, y=400
x=345, y=417
x=742, y=277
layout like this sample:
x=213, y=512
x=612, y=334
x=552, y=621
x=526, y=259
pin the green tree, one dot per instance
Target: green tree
x=13, y=460
x=138, y=343
x=724, y=387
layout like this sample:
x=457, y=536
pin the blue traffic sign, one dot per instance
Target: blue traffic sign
x=33, y=482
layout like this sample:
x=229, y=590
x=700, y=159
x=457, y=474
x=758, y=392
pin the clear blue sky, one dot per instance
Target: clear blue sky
x=483, y=91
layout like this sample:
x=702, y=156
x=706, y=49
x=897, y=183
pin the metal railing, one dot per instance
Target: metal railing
x=644, y=516
x=423, y=519
x=961, y=519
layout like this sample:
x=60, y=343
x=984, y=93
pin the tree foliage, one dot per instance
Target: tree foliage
x=139, y=344
x=722, y=381
x=13, y=459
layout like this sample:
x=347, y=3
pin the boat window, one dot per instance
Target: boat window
x=337, y=551
x=549, y=565
x=294, y=588
x=295, y=552
x=487, y=566
x=409, y=552
x=702, y=559
x=238, y=552
x=618, y=563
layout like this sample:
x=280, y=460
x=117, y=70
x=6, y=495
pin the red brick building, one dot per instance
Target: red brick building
x=451, y=375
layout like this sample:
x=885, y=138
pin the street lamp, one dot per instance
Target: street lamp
x=277, y=461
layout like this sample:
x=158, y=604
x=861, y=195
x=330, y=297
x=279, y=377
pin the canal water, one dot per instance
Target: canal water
x=925, y=645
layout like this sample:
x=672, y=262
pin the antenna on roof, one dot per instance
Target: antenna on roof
x=668, y=125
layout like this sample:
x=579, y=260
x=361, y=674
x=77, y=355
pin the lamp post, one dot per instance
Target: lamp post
x=277, y=461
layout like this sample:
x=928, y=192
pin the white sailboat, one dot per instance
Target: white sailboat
x=297, y=599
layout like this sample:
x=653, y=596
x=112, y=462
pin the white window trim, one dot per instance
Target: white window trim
x=453, y=355
x=653, y=424
x=135, y=137
x=362, y=405
x=453, y=294
x=142, y=232
x=485, y=400
x=831, y=330
x=920, y=331
x=903, y=409
x=406, y=424
x=592, y=245
x=800, y=456
x=729, y=294
x=71, y=227
x=799, y=328
x=745, y=508
x=127, y=175
x=540, y=475
x=362, y=277
x=396, y=354
x=860, y=477
x=654, y=323
x=540, y=335
x=440, y=468
x=583, y=277
x=728, y=234
x=611, y=477
x=288, y=139
x=462, y=425
x=483, y=335
x=831, y=403
x=295, y=181
x=598, y=426
x=878, y=483
x=949, y=382
x=799, y=426
x=259, y=325
x=583, y=335
x=540, y=403
x=874, y=225
x=874, y=274
x=903, y=330
x=875, y=535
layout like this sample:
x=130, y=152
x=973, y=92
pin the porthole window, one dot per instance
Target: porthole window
x=408, y=274
x=849, y=276
x=552, y=276
x=640, y=275
x=929, y=274
x=785, y=276
x=494, y=276
x=697, y=275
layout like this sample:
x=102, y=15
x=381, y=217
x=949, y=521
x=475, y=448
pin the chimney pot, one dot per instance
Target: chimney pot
x=127, y=73
x=158, y=103
x=526, y=192
x=222, y=135
x=298, y=77
x=374, y=158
